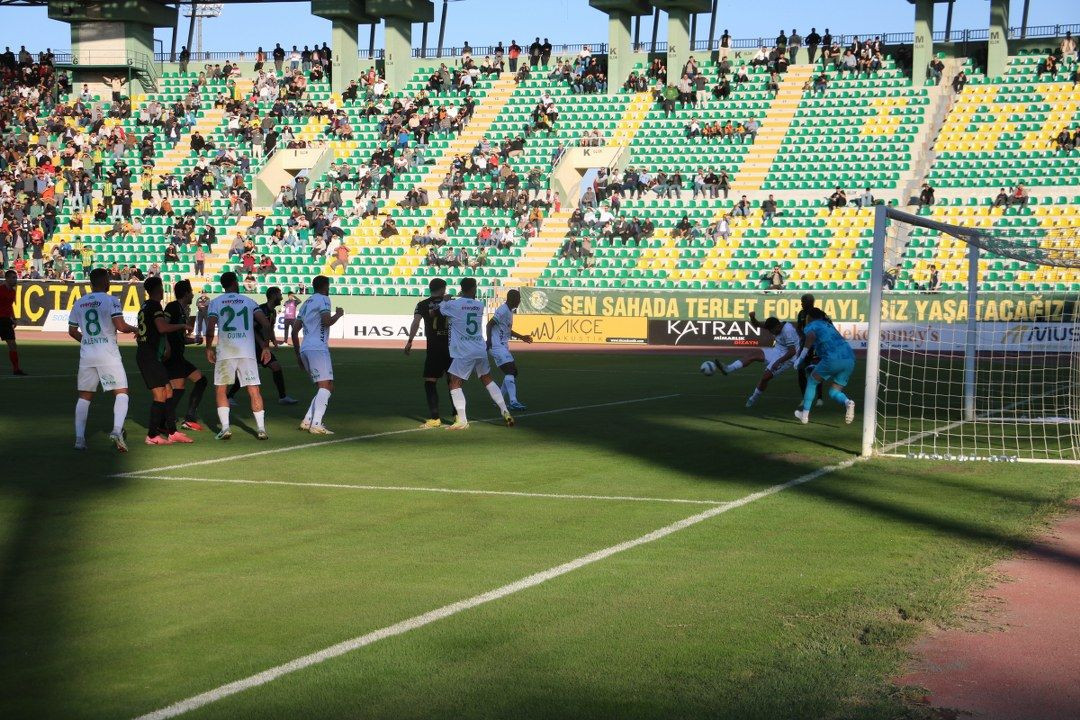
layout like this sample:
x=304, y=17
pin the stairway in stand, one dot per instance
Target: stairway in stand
x=774, y=127
x=175, y=155
x=483, y=118
x=218, y=257
x=541, y=249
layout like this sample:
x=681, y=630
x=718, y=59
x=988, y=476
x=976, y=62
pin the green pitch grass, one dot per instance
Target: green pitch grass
x=123, y=595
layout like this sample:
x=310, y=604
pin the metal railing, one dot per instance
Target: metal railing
x=64, y=57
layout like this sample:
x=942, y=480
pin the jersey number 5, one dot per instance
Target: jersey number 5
x=472, y=324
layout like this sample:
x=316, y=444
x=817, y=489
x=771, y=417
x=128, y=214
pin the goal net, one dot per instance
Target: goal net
x=985, y=366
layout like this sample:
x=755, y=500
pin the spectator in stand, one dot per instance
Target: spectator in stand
x=838, y=199
x=768, y=209
x=813, y=41
x=725, y=45
x=341, y=258
x=266, y=265
x=890, y=277
x=774, y=279
x=1068, y=47
x=933, y=283
x=1067, y=143
x=1019, y=196
x=867, y=198
x=926, y=195
x=773, y=84
x=251, y=285
x=959, y=81
x=794, y=43
x=936, y=68
x=821, y=84
x=742, y=208
x=1002, y=199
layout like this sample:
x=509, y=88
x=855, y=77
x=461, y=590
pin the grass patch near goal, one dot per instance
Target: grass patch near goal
x=121, y=595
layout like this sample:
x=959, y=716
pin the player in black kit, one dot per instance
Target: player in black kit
x=150, y=350
x=269, y=308
x=180, y=368
x=437, y=335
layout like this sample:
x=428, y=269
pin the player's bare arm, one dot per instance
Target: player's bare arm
x=121, y=326
x=412, y=332
x=522, y=338
x=328, y=320
x=211, y=332
x=754, y=321
x=75, y=333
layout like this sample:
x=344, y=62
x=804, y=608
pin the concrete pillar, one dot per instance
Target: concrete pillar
x=678, y=43
x=618, y=63
x=398, y=52
x=678, y=39
x=399, y=16
x=344, y=53
x=113, y=37
x=620, y=14
x=923, y=50
x=997, y=50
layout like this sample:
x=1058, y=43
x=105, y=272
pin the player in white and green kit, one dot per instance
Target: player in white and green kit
x=469, y=351
x=313, y=354
x=94, y=321
x=238, y=352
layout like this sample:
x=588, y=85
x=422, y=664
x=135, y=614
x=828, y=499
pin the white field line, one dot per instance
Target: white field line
x=400, y=628
x=448, y=491
x=33, y=377
x=371, y=436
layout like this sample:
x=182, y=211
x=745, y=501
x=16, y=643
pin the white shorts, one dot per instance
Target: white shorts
x=772, y=354
x=246, y=370
x=318, y=364
x=110, y=377
x=501, y=355
x=465, y=367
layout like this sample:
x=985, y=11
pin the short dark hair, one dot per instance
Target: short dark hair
x=181, y=288
x=772, y=324
x=152, y=283
x=98, y=277
x=12, y=272
x=228, y=280
x=807, y=299
x=437, y=284
x=515, y=293
x=468, y=284
x=321, y=282
x=271, y=290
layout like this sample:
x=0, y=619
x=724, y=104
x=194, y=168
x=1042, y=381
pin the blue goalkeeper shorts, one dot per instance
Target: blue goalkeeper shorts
x=838, y=370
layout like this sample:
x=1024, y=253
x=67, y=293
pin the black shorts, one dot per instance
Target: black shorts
x=436, y=363
x=179, y=368
x=7, y=329
x=152, y=369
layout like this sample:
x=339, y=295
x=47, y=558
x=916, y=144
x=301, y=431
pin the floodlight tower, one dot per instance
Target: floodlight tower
x=199, y=11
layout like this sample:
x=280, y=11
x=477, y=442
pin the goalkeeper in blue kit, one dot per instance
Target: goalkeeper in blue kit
x=835, y=366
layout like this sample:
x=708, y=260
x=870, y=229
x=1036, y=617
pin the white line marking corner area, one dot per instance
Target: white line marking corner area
x=372, y=436
x=419, y=621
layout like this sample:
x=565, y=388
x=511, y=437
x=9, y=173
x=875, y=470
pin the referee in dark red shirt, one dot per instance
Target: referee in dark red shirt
x=7, y=318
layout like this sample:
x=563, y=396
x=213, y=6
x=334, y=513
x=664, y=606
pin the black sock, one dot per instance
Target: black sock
x=802, y=380
x=234, y=389
x=170, y=409
x=432, y=392
x=197, y=391
x=279, y=381
x=156, y=425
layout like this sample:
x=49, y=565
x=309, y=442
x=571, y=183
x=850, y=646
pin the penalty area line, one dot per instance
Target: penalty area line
x=447, y=491
x=372, y=436
x=220, y=693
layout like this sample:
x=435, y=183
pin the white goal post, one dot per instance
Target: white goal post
x=999, y=379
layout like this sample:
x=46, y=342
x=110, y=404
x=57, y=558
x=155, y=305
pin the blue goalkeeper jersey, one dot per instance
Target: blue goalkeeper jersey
x=829, y=344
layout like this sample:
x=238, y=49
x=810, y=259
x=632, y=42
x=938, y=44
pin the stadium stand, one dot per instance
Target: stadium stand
x=735, y=184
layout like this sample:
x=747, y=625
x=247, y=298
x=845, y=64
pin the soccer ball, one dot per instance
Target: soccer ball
x=708, y=368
